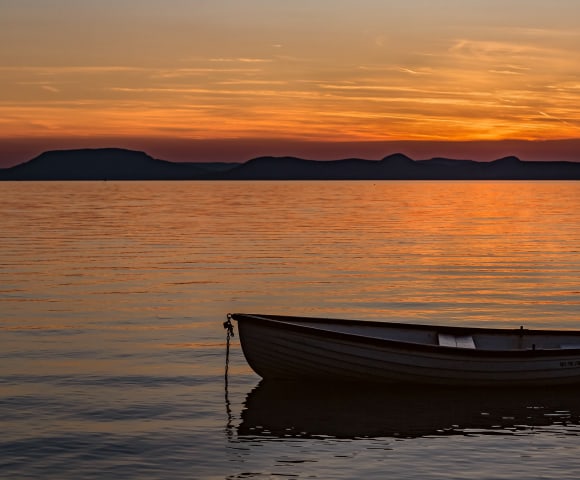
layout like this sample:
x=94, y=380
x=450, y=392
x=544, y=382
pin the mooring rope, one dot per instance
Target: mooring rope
x=230, y=333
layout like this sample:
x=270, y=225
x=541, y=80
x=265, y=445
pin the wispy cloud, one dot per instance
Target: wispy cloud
x=411, y=71
x=494, y=49
x=50, y=88
x=67, y=69
x=505, y=72
x=241, y=60
x=253, y=82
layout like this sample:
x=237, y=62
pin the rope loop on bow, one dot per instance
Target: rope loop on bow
x=228, y=325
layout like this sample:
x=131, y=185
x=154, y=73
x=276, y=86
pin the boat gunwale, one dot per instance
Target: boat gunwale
x=281, y=321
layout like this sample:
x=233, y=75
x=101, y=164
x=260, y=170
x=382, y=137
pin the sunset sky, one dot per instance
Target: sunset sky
x=231, y=79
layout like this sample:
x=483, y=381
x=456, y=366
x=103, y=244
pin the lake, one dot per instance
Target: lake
x=112, y=350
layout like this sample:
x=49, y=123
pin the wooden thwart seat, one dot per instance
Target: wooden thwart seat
x=461, y=341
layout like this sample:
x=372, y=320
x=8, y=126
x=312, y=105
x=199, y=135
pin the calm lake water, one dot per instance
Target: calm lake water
x=112, y=350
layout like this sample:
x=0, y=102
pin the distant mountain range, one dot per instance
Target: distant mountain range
x=121, y=164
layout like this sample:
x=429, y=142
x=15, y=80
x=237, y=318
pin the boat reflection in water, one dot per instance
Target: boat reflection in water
x=301, y=410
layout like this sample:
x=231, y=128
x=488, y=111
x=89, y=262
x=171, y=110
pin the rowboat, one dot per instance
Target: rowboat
x=308, y=348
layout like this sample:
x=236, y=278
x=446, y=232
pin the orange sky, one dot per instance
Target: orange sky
x=184, y=79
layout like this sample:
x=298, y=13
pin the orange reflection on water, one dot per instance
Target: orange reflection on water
x=139, y=255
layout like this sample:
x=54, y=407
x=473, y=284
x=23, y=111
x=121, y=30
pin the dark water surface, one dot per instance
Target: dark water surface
x=112, y=351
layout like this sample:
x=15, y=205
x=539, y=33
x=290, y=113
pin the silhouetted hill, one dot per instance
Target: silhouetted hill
x=105, y=164
x=401, y=167
x=120, y=164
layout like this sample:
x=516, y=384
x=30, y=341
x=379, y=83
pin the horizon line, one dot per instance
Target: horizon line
x=16, y=151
